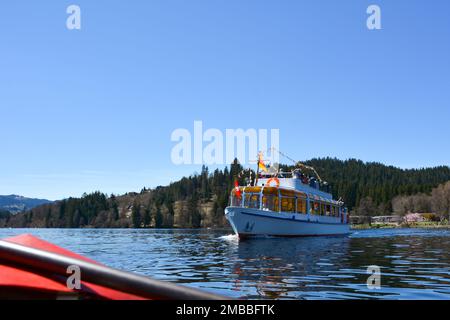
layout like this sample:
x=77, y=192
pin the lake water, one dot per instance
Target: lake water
x=415, y=263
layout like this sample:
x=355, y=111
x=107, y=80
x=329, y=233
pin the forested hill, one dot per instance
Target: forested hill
x=199, y=200
x=354, y=180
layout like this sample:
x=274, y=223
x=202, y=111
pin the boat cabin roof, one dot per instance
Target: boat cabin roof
x=288, y=192
x=298, y=182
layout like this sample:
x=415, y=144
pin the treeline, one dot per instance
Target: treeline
x=4, y=214
x=437, y=202
x=200, y=200
x=358, y=182
x=193, y=202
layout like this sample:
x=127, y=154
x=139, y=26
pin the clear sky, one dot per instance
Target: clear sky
x=94, y=109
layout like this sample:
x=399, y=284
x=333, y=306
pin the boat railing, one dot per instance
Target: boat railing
x=305, y=180
x=252, y=200
x=235, y=201
x=286, y=203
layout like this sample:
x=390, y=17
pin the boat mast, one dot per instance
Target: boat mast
x=257, y=169
x=298, y=163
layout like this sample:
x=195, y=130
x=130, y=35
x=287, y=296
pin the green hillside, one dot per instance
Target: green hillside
x=199, y=200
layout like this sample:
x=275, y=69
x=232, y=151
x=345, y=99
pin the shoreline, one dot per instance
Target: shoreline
x=418, y=225
x=353, y=227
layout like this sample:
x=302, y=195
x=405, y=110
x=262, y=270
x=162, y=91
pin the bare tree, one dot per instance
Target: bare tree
x=401, y=205
x=366, y=207
x=441, y=200
x=438, y=202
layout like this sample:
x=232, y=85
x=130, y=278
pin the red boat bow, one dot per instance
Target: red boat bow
x=16, y=278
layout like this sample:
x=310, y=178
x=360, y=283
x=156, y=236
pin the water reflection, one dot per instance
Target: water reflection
x=415, y=264
x=279, y=266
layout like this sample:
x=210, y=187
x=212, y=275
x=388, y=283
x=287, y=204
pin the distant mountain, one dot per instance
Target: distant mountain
x=15, y=204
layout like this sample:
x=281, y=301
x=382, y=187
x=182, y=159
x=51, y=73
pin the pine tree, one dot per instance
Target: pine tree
x=136, y=215
x=147, y=217
x=48, y=218
x=158, y=218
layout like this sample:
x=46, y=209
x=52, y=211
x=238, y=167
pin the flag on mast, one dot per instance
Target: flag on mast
x=261, y=164
x=237, y=190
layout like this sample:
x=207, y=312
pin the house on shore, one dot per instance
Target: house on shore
x=387, y=219
x=394, y=219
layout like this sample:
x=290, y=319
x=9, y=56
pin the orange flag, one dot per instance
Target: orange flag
x=261, y=164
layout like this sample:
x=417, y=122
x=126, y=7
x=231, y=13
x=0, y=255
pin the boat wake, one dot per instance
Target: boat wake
x=230, y=238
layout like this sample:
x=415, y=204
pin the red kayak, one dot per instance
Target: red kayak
x=31, y=268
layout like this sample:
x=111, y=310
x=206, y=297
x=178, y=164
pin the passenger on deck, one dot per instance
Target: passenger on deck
x=312, y=183
x=304, y=179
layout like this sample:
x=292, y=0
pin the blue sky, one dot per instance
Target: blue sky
x=94, y=109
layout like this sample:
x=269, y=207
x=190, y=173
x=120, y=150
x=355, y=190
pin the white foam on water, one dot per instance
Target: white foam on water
x=230, y=238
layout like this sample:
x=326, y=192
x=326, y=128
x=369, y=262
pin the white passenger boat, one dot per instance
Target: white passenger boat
x=288, y=204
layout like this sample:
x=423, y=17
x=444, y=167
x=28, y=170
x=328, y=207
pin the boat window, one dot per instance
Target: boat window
x=270, y=202
x=235, y=201
x=276, y=204
x=252, y=200
x=301, y=205
x=316, y=208
x=328, y=210
x=287, y=204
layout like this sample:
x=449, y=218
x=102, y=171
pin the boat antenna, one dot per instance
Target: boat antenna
x=297, y=163
x=243, y=174
x=257, y=170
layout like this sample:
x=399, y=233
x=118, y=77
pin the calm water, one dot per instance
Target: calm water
x=415, y=263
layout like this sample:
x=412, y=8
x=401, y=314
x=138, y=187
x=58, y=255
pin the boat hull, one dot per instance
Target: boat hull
x=247, y=222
